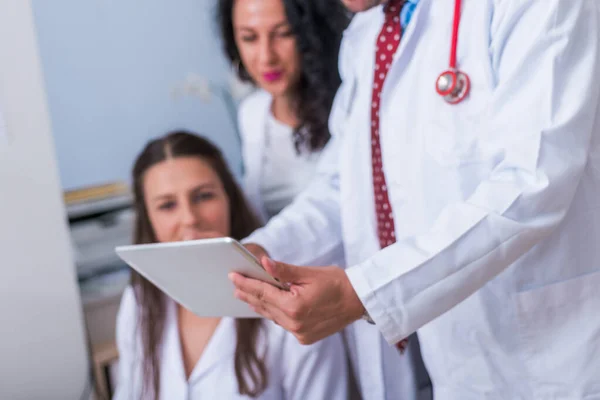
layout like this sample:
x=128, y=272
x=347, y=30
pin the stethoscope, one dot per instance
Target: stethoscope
x=453, y=84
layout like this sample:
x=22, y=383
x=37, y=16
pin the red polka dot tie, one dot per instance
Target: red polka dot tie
x=387, y=44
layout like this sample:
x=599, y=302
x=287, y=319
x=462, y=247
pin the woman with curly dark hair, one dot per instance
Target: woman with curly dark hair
x=289, y=50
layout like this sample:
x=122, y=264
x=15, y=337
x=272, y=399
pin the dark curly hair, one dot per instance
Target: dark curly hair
x=318, y=26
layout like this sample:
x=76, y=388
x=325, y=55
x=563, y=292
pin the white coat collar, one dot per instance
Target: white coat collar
x=220, y=348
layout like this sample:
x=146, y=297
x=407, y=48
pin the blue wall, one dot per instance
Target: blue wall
x=110, y=67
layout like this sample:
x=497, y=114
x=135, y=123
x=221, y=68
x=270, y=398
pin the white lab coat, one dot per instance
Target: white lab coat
x=496, y=200
x=252, y=123
x=295, y=371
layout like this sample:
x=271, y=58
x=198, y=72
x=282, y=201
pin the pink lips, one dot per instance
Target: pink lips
x=272, y=76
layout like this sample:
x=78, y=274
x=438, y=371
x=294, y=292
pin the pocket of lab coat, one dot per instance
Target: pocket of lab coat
x=559, y=335
x=452, y=132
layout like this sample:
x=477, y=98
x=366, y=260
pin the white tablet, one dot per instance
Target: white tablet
x=194, y=273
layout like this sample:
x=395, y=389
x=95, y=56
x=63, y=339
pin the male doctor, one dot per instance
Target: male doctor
x=469, y=208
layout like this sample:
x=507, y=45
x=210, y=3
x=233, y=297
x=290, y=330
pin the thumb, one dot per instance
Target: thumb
x=283, y=272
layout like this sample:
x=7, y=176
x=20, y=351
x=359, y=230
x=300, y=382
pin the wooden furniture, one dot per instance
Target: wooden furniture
x=103, y=356
x=101, y=305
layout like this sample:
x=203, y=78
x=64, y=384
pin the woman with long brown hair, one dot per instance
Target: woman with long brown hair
x=184, y=191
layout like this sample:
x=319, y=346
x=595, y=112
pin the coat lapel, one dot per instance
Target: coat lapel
x=253, y=130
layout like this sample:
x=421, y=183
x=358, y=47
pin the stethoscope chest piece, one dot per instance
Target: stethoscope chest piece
x=453, y=86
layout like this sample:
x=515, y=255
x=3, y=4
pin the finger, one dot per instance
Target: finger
x=265, y=310
x=253, y=301
x=261, y=291
x=256, y=305
x=262, y=312
x=285, y=272
x=271, y=302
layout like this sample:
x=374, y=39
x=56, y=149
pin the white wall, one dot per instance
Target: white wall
x=117, y=74
x=42, y=343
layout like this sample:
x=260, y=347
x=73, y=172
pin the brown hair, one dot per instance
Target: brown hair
x=151, y=302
